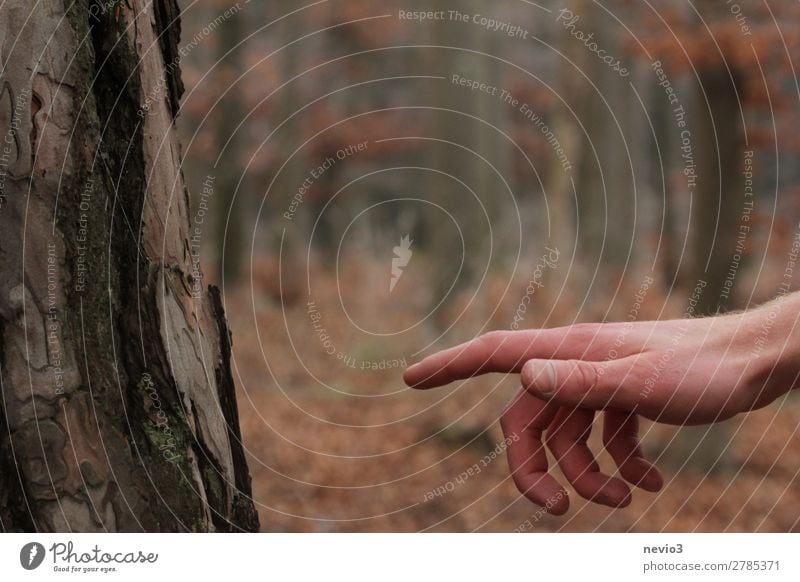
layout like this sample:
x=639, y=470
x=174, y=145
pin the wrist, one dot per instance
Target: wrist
x=776, y=345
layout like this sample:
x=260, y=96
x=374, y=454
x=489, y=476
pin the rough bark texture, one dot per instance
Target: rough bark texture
x=118, y=405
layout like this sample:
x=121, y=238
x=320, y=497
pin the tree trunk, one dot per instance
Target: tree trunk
x=661, y=163
x=230, y=234
x=720, y=151
x=720, y=147
x=561, y=201
x=118, y=409
x=472, y=157
x=605, y=195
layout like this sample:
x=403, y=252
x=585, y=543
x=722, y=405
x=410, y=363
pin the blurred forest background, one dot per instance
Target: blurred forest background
x=370, y=186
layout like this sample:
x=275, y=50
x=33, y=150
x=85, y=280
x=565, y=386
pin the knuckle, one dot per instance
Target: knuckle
x=738, y=400
x=581, y=333
x=582, y=378
x=519, y=482
x=488, y=345
x=551, y=438
x=491, y=338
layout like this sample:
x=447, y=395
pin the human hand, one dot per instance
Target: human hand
x=686, y=371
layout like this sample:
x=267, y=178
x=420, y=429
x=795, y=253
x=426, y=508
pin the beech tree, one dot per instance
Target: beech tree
x=118, y=403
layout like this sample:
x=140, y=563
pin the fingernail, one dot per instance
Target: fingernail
x=540, y=377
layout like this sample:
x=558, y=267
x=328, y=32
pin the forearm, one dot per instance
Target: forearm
x=774, y=337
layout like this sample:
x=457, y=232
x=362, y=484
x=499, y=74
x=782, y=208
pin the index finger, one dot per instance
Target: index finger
x=505, y=352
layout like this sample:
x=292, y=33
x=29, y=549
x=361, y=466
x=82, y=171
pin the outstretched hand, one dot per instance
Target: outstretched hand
x=685, y=371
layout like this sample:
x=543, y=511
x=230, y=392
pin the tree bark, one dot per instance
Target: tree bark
x=118, y=404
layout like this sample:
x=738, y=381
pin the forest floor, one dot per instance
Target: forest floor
x=333, y=447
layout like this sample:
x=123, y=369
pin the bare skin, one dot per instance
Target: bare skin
x=684, y=371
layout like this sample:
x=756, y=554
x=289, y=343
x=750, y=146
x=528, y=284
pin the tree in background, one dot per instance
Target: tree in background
x=737, y=118
x=228, y=170
x=118, y=405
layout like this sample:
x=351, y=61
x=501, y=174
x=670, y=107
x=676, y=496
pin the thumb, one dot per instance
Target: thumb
x=583, y=384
